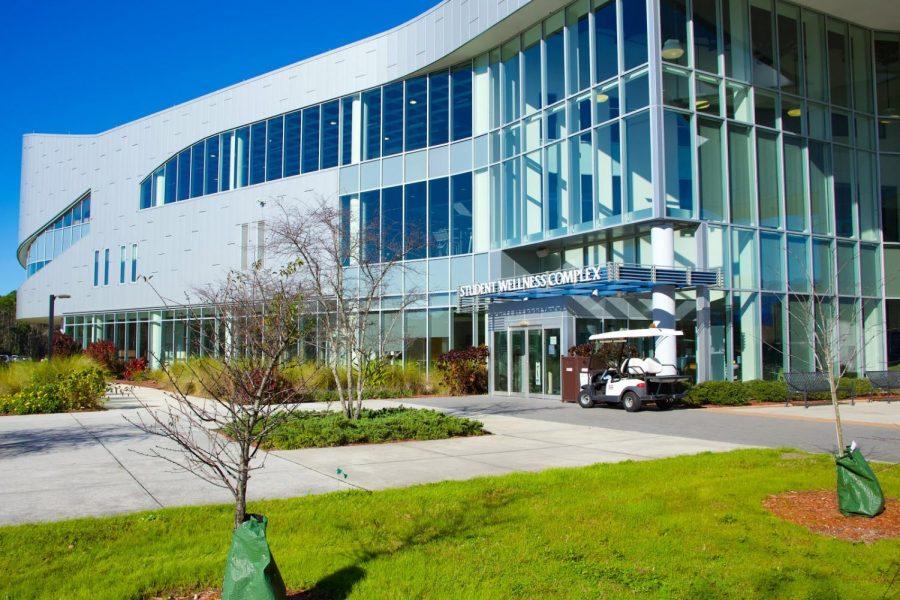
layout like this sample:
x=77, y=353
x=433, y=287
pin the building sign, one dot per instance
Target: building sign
x=533, y=282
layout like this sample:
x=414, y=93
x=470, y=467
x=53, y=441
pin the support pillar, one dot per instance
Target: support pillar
x=662, y=240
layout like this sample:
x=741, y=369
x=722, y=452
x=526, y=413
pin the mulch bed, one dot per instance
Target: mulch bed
x=818, y=512
x=213, y=594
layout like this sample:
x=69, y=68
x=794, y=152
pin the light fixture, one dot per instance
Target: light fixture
x=387, y=138
x=542, y=252
x=601, y=97
x=413, y=101
x=672, y=49
x=794, y=112
x=332, y=122
x=702, y=104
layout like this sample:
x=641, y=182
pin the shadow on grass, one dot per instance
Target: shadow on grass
x=335, y=586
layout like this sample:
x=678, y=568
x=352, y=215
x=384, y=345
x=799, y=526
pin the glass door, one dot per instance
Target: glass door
x=535, y=362
x=551, y=361
x=519, y=362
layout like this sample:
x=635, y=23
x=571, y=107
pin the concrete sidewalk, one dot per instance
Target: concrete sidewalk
x=89, y=464
x=882, y=414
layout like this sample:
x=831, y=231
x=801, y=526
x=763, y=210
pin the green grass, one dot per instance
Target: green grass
x=688, y=527
x=17, y=375
x=319, y=429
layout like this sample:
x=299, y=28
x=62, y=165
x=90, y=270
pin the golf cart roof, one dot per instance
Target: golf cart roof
x=627, y=334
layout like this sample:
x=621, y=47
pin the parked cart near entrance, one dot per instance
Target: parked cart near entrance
x=631, y=381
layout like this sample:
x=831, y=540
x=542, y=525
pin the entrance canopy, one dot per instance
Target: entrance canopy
x=609, y=279
x=627, y=334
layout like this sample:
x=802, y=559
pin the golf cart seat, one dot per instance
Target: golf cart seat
x=652, y=366
x=632, y=366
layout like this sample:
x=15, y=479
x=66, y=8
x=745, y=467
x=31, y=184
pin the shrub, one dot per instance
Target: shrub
x=135, y=369
x=18, y=375
x=105, y=354
x=605, y=353
x=759, y=390
x=84, y=389
x=278, y=389
x=464, y=371
x=63, y=345
x=717, y=393
x=80, y=389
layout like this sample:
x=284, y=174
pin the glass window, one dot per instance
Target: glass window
x=607, y=101
x=197, y=154
x=392, y=141
x=146, y=198
x=226, y=141
x=392, y=223
x=533, y=211
x=707, y=98
x=438, y=217
x=676, y=87
x=172, y=177
x=840, y=128
x=531, y=59
x=814, y=55
x=736, y=39
x=274, y=148
x=582, y=178
x=791, y=114
x=638, y=162
x=461, y=90
x=415, y=204
x=710, y=169
x=557, y=172
x=371, y=101
x=512, y=191
x=241, y=158
x=511, y=82
x=212, y=167
x=772, y=338
x=798, y=264
x=609, y=173
x=439, y=108
x=737, y=102
x=846, y=268
x=554, y=52
x=416, y=114
x=823, y=266
x=96, y=268
x=870, y=270
x=500, y=352
x=745, y=337
x=134, y=259
x=330, y=134
x=838, y=62
x=740, y=173
x=580, y=112
x=556, y=123
x=634, y=33
x=762, y=34
x=637, y=94
x=461, y=213
x=789, y=49
x=743, y=259
x=122, y=259
x=800, y=326
x=766, y=111
x=868, y=203
x=772, y=250
x=311, y=124
x=887, y=73
x=369, y=228
x=481, y=95
x=292, y=144
x=819, y=186
x=106, y=267
x=678, y=152
x=767, y=179
x=890, y=197
x=795, y=184
x=184, y=175
x=843, y=192
x=579, y=46
x=706, y=52
x=606, y=56
x=257, y=153
x=347, y=137
x=416, y=336
x=673, y=31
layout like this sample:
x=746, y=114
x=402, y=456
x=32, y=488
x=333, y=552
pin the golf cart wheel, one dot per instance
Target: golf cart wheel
x=665, y=404
x=631, y=401
x=585, y=400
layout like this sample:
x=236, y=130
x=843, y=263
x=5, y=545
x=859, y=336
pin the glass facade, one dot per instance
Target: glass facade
x=54, y=239
x=774, y=126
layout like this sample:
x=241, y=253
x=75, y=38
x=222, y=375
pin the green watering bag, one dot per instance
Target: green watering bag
x=251, y=572
x=857, y=486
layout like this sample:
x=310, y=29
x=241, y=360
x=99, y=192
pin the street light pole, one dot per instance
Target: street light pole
x=53, y=298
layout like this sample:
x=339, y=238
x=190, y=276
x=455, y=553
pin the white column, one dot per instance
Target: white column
x=662, y=239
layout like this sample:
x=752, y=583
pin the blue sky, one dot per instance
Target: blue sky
x=85, y=66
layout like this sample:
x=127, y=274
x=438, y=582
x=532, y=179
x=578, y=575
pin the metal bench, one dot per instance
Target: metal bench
x=120, y=391
x=806, y=383
x=887, y=381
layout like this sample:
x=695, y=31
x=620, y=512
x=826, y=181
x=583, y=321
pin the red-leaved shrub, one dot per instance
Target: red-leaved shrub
x=135, y=369
x=63, y=345
x=105, y=354
x=464, y=370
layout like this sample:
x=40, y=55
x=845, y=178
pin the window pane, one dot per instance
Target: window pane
x=823, y=269
x=740, y=169
x=789, y=48
x=257, y=152
x=416, y=113
x=679, y=150
x=638, y=163
x=800, y=324
x=767, y=179
x=737, y=102
x=274, y=147
x=673, y=31
x=607, y=101
x=438, y=217
x=637, y=94
x=439, y=108
x=372, y=124
x=743, y=259
x=311, y=124
x=634, y=32
x=745, y=339
x=843, y=192
x=676, y=87
x=146, y=198
x=241, y=157
x=765, y=109
x=392, y=223
x=292, y=143
x=707, y=98
x=819, y=188
x=461, y=213
x=795, y=184
x=609, y=173
x=226, y=140
x=710, y=169
x=814, y=53
x=771, y=247
x=887, y=73
x=736, y=39
x=761, y=27
x=512, y=191
x=415, y=204
x=555, y=58
x=500, y=352
x=772, y=339
x=557, y=186
x=798, y=264
x=172, y=178
x=579, y=46
x=868, y=204
x=846, y=268
x=606, y=56
x=582, y=179
x=330, y=130
x=197, y=155
x=870, y=270
x=533, y=211
x=369, y=226
x=346, y=130
x=461, y=87
x=392, y=132
x=531, y=57
x=706, y=53
x=838, y=62
x=511, y=83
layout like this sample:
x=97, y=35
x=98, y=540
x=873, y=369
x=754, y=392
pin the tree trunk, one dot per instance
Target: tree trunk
x=837, y=415
x=240, y=496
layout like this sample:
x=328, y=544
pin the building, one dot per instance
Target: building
x=754, y=141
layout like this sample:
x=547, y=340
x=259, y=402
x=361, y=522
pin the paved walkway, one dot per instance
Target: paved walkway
x=86, y=464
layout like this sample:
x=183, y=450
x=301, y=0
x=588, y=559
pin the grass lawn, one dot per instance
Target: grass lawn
x=319, y=429
x=681, y=527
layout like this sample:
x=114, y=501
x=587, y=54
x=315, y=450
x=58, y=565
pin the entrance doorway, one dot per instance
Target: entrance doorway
x=533, y=362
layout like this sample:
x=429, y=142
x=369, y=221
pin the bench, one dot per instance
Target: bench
x=120, y=391
x=887, y=381
x=806, y=383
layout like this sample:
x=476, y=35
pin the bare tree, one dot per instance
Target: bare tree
x=346, y=263
x=258, y=321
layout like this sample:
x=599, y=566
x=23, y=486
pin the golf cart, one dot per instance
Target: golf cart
x=632, y=381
